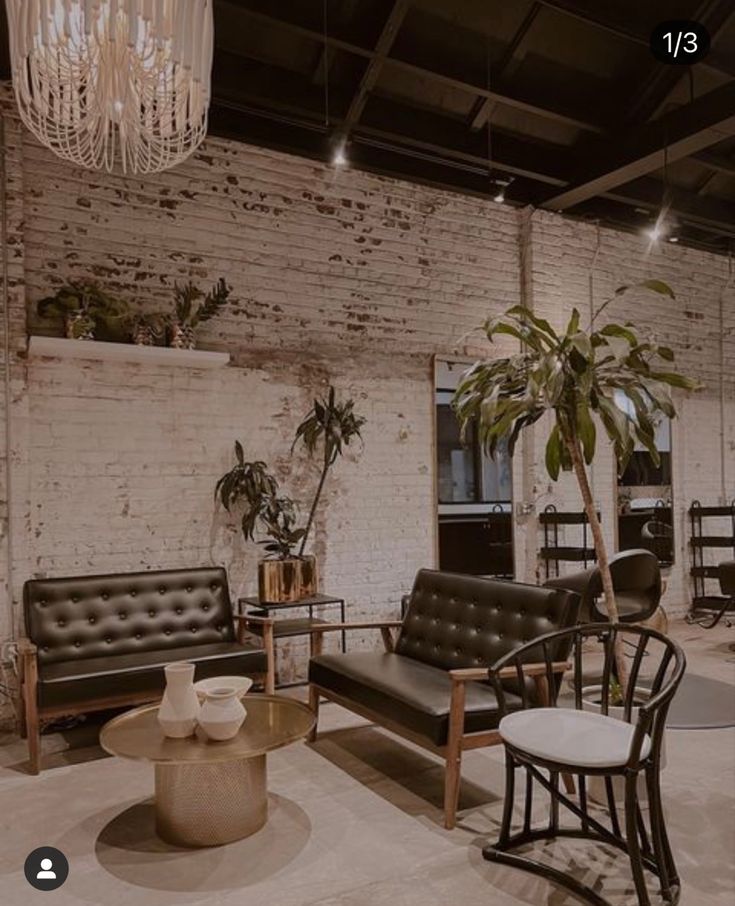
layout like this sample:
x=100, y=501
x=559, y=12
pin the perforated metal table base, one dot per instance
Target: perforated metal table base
x=211, y=804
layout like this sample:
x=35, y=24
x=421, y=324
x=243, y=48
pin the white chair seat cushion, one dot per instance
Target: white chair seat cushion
x=571, y=737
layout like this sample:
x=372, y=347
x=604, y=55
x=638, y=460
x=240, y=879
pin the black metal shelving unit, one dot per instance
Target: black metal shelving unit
x=553, y=553
x=699, y=542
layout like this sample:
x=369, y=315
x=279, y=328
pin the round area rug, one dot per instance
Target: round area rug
x=702, y=704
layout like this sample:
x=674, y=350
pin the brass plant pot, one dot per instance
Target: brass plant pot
x=283, y=581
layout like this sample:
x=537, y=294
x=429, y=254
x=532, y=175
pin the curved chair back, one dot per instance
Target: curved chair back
x=636, y=576
x=649, y=696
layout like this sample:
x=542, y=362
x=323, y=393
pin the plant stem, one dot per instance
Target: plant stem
x=575, y=452
x=315, y=502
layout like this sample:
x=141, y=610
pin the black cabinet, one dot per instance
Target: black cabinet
x=477, y=545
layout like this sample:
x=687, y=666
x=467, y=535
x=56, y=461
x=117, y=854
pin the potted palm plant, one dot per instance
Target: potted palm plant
x=573, y=375
x=191, y=307
x=282, y=575
x=85, y=309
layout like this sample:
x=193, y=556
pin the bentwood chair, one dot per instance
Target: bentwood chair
x=547, y=742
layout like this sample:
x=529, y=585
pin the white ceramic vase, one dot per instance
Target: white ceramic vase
x=222, y=713
x=179, y=710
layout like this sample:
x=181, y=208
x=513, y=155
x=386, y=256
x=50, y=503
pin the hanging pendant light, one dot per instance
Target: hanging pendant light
x=114, y=83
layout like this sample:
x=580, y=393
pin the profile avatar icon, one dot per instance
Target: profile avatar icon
x=46, y=868
x=46, y=865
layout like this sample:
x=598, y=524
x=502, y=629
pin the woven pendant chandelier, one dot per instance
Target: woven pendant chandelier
x=114, y=84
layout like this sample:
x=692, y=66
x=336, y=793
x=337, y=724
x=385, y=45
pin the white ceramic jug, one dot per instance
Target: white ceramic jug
x=222, y=713
x=179, y=709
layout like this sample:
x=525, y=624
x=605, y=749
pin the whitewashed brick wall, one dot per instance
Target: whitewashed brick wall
x=341, y=276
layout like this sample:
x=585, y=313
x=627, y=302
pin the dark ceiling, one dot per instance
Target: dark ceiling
x=579, y=111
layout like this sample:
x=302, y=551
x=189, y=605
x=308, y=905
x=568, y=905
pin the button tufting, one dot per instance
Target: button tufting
x=77, y=644
x=151, y=613
x=188, y=588
x=133, y=593
x=61, y=623
x=108, y=640
x=179, y=609
x=167, y=632
x=93, y=619
x=42, y=602
x=161, y=590
x=75, y=599
x=205, y=606
x=105, y=595
x=138, y=635
x=123, y=615
x=214, y=586
x=193, y=629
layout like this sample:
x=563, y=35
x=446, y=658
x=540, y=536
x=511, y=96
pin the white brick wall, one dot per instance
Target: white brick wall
x=341, y=276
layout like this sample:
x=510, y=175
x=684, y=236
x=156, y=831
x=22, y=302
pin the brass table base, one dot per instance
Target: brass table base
x=211, y=804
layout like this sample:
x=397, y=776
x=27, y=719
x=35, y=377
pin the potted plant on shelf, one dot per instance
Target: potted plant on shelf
x=328, y=428
x=574, y=376
x=191, y=307
x=86, y=310
x=283, y=575
x=147, y=328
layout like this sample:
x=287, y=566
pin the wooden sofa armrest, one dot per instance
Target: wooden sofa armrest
x=465, y=674
x=266, y=624
x=385, y=626
x=26, y=648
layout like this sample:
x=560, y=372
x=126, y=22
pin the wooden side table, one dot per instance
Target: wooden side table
x=289, y=626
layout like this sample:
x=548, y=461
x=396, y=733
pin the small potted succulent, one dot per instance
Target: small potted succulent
x=147, y=328
x=191, y=307
x=87, y=311
x=283, y=575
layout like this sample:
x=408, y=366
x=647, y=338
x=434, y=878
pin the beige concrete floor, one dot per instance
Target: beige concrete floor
x=355, y=820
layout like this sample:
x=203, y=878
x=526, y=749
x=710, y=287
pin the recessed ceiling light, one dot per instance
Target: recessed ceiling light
x=673, y=238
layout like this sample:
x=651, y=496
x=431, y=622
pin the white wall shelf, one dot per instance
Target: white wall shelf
x=61, y=348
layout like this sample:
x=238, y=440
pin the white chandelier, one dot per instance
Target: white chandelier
x=108, y=83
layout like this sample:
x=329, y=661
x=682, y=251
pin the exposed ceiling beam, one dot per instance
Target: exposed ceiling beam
x=510, y=63
x=714, y=16
x=716, y=162
x=505, y=97
x=684, y=131
x=576, y=10
x=375, y=63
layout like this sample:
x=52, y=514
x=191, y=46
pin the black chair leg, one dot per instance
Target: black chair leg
x=510, y=777
x=631, y=835
x=670, y=885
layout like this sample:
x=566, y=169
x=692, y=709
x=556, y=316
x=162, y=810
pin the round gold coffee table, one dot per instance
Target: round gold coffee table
x=210, y=793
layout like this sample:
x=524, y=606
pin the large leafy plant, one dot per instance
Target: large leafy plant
x=328, y=428
x=251, y=486
x=574, y=375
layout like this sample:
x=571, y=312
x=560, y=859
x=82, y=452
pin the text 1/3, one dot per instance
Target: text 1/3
x=680, y=42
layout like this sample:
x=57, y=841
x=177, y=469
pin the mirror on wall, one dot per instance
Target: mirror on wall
x=474, y=492
x=645, y=499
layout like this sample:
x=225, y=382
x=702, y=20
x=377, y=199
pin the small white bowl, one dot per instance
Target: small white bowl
x=241, y=685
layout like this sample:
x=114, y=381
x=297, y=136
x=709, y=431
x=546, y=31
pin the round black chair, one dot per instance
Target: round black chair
x=636, y=576
x=547, y=742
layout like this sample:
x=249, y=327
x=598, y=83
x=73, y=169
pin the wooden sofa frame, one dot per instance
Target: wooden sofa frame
x=458, y=740
x=31, y=716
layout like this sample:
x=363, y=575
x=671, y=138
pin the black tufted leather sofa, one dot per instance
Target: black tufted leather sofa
x=99, y=641
x=454, y=629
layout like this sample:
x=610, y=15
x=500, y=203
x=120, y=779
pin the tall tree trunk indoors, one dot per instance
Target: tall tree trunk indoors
x=575, y=452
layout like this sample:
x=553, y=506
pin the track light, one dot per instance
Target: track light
x=673, y=238
x=502, y=184
x=340, y=158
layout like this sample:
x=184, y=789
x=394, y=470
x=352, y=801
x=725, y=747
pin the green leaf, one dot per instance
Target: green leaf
x=658, y=286
x=586, y=431
x=553, y=453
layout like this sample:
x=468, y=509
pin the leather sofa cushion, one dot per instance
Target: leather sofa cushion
x=457, y=621
x=404, y=690
x=77, y=681
x=104, y=616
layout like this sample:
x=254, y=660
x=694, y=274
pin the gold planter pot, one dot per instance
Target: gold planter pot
x=292, y=579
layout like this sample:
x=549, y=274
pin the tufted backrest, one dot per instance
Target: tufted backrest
x=465, y=621
x=95, y=616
